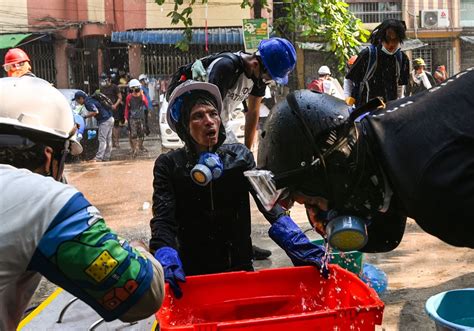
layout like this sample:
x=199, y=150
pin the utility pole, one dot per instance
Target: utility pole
x=415, y=23
x=257, y=9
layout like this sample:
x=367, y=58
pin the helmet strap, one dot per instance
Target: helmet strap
x=291, y=99
x=367, y=186
x=61, y=158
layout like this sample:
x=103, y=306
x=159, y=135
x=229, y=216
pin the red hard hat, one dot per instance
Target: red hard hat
x=15, y=56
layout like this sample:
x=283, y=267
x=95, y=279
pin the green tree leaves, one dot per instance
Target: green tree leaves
x=327, y=21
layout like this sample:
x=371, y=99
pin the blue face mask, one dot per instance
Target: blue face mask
x=209, y=167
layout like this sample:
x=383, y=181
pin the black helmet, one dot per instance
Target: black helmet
x=299, y=138
x=307, y=145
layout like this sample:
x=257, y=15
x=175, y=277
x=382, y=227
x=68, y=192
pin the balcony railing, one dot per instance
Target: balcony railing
x=376, y=17
x=467, y=14
x=373, y=12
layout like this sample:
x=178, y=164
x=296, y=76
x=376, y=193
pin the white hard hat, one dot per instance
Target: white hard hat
x=324, y=70
x=174, y=111
x=134, y=83
x=31, y=104
x=142, y=76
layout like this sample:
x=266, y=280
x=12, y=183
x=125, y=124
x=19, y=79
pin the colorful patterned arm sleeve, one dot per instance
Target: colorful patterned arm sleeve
x=82, y=255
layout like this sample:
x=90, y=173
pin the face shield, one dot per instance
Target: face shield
x=272, y=188
x=264, y=185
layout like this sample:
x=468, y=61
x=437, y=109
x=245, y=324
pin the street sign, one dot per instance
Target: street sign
x=254, y=30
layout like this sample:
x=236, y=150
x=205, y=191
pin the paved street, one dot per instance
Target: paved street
x=420, y=267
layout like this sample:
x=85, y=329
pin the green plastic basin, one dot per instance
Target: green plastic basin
x=351, y=260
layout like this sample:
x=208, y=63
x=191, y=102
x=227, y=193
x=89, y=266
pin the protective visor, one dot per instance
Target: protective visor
x=270, y=188
x=264, y=185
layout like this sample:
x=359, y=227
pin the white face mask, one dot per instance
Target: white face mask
x=386, y=51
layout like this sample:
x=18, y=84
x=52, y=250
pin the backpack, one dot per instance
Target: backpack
x=103, y=99
x=184, y=72
x=372, y=66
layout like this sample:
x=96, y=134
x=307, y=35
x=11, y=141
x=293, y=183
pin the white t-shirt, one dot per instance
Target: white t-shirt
x=223, y=75
x=51, y=228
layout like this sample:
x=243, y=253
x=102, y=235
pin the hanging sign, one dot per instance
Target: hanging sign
x=254, y=30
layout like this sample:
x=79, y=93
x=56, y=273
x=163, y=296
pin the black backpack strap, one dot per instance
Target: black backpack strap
x=236, y=61
x=185, y=70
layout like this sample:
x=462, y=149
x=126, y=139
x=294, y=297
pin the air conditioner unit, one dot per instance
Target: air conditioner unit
x=434, y=18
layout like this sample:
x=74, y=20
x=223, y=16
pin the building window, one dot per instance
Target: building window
x=427, y=55
x=436, y=52
x=467, y=12
x=375, y=12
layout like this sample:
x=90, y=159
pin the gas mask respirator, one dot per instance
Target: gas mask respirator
x=209, y=167
x=345, y=233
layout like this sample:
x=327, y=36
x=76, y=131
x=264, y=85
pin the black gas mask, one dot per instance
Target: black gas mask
x=313, y=135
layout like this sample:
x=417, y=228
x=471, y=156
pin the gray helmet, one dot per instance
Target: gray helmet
x=178, y=113
x=298, y=139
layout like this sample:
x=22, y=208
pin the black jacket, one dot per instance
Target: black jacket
x=425, y=144
x=210, y=225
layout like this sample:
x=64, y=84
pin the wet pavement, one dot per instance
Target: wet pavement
x=420, y=267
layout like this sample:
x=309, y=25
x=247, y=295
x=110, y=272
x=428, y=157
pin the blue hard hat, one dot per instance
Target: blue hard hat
x=79, y=94
x=279, y=57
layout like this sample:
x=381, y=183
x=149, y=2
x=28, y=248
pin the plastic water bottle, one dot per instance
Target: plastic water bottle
x=374, y=277
x=91, y=134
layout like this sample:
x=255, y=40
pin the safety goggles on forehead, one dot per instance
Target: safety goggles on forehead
x=17, y=141
x=270, y=188
x=8, y=67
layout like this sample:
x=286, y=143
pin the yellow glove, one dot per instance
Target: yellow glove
x=350, y=101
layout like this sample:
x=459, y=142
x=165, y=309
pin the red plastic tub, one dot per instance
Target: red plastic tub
x=273, y=299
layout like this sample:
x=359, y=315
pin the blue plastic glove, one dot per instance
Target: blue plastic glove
x=297, y=246
x=199, y=72
x=172, y=267
x=374, y=277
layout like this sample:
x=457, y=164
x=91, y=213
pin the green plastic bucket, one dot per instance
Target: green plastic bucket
x=351, y=260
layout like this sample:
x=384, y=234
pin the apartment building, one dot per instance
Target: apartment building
x=71, y=42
